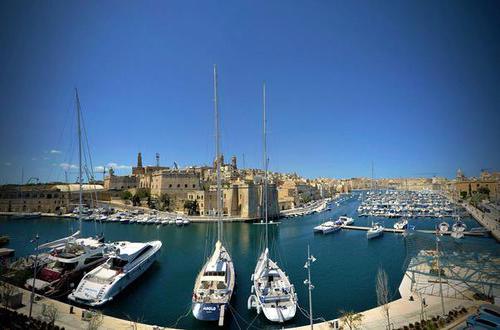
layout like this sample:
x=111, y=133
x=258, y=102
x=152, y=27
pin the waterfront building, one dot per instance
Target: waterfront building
x=121, y=182
x=48, y=198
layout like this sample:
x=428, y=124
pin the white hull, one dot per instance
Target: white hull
x=95, y=290
x=274, y=294
x=214, y=285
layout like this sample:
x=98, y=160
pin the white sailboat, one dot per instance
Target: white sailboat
x=70, y=257
x=272, y=292
x=215, y=282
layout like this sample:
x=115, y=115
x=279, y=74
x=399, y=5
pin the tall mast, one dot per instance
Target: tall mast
x=79, y=160
x=217, y=157
x=265, y=161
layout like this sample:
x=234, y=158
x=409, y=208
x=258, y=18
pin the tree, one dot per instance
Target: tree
x=484, y=191
x=95, y=321
x=164, y=202
x=463, y=194
x=351, y=319
x=382, y=289
x=136, y=200
x=50, y=313
x=126, y=195
x=477, y=198
x=143, y=193
x=191, y=207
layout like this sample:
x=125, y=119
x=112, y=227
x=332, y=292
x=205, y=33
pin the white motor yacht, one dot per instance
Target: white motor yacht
x=126, y=264
x=375, y=230
x=346, y=220
x=402, y=224
x=69, y=259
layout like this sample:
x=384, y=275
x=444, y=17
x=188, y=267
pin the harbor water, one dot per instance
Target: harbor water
x=343, y=275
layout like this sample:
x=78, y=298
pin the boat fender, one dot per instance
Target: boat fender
x=259, y=308
x=249, y=302
x=252, y=289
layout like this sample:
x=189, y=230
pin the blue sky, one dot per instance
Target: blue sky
x=412, y=85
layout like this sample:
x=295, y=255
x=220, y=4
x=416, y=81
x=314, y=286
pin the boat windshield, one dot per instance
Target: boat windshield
x=117, y=263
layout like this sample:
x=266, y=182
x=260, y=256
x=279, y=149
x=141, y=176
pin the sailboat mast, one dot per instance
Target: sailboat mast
x=218, y=158
x=80, y=201
x=265, y=162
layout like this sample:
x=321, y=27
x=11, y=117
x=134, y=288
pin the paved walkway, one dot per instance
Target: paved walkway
x=74, y=321
x=405, y=311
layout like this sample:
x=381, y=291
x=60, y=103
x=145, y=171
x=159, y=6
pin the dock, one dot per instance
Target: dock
x=400, y=231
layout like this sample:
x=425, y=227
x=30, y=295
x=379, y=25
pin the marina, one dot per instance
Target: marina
x=408, y=204
x=166, y=288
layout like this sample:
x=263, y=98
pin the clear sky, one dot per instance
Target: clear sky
x=412, y=85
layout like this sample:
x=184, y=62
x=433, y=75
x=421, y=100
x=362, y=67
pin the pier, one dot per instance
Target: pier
x=401, y=231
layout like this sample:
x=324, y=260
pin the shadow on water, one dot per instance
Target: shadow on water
x=344, y=273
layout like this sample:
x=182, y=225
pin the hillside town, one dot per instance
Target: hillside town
x=192, y=190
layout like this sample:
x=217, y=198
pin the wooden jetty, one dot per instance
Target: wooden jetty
x=400, y=231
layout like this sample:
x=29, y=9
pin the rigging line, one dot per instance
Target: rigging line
x=256, y=316
x=236, y=320
x=234, y=311
x=182, y=316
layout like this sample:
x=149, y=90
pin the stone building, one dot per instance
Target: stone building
x=121, y=182
x=47, y=198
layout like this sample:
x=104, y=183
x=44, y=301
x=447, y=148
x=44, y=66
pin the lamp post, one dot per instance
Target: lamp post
x=310, y=286
x=34, y=240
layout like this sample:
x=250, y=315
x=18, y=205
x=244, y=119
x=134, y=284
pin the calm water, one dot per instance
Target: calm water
x=344, y=274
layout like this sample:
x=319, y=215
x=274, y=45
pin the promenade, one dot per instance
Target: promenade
x=74, y=319
x=421, y=300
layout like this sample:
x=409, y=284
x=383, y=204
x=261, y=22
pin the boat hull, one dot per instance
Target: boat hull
x=207, y=311
x=374, y=234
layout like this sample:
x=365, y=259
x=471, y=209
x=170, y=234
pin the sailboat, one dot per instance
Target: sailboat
x=215, y=282
x=70, y=257
x=272, y=292
x=458, y=228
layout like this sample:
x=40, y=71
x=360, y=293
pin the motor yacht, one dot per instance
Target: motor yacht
x=69, y=259
x=376, y=230
x=128, y=261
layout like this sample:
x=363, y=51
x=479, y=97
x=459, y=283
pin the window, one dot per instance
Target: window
x=178, y=185
x=185, y=186
x=194, y=185
x=92, y=258
x=170, y=185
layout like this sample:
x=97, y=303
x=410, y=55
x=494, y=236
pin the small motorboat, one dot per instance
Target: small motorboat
x=332, y=227
x=179, y=221
x=376, y=230
x=443, y=227
x=401, y=224
x=346, y=220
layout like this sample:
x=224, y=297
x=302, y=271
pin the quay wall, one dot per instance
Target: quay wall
x=486, y=220
x=70, y=317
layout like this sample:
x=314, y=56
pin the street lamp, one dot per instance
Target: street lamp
x=34, y=240
x=310, y=286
